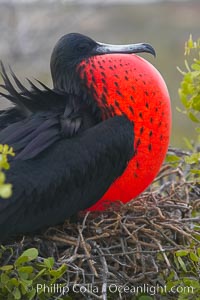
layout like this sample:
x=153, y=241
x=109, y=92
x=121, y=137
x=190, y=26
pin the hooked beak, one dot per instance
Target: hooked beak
x=102, y=48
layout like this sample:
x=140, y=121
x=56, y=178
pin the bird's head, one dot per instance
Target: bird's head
x=73, y=48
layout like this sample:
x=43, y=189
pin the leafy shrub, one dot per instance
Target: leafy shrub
x=185, y=273
x=189, y=93
x=5, y=188
x=20, y=280
x=186, y=262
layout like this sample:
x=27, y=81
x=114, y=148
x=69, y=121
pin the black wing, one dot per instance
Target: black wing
x=70, y=176
x=40, y=117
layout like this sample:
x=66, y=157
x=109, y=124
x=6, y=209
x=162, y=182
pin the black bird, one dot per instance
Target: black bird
x=67, y=152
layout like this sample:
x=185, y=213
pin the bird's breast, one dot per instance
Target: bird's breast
x=127, y=84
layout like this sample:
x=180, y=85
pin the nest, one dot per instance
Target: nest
x=126, y=244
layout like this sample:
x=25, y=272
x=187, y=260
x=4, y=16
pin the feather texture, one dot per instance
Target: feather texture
x=68, y=177
x=40, y=117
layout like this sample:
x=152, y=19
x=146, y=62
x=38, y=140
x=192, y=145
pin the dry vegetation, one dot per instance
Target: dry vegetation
x=131, y=244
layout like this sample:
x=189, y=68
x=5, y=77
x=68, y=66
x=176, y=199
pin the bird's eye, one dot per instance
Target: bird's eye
x=82, y=47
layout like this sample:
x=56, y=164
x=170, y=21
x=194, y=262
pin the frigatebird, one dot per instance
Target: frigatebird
x=101, y=133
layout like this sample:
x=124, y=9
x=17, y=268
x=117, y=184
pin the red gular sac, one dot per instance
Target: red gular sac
x=125, y=84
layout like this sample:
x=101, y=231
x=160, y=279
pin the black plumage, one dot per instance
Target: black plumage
x=69, y=176
x=66, y=156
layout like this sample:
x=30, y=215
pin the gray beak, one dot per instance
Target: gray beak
x=102, y=48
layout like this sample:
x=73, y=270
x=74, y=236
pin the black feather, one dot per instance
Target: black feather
x=40, y=117
x=68, y=177
x=66, y=156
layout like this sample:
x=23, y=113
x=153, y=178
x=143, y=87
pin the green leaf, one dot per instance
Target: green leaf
x=31, y=294
x=193, y=159
x=6, y=268
x=191, y=282
x=196, y=172
x=14, y=281
x=59, y=272
x=182, y=252
x=196, y=103
x=190, y=43
x=2, y=177
x=172, y=158
x=194, y=257
x=182, y=264
x=17, y=294
x=170, y=284
x=197, y=130
x=23, y=275
x=49, y=262
x=195, y=67
x=40, y=274
x=21, y=260
x=25, y=269
x=26, y=285
x=31, y=253
x=171, y=275
x=183, y=97
x=188, y=144
x=4, y=278
x=176, y=262
x=193, y=117
x=145, y=297
x=6, y=190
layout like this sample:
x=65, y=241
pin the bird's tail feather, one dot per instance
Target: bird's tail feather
x=28, y=101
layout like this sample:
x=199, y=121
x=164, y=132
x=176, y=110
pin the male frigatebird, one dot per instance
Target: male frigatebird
x=101, y=133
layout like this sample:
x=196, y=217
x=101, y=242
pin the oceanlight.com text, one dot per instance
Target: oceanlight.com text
x=114, y=288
